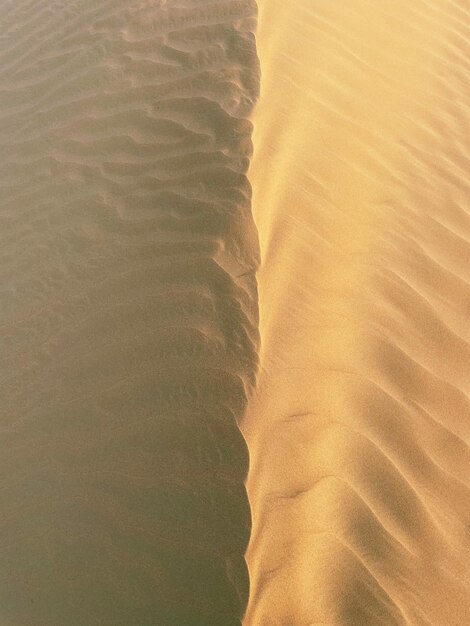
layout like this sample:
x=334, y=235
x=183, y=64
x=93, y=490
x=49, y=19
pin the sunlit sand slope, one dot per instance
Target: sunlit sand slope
x=358, y=433
x=128, y=310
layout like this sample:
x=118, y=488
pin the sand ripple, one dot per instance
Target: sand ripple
x=359, y=430
x=129, y=315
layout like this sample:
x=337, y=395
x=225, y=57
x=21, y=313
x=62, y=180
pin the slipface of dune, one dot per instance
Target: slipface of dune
x=358, y=432
x=128, y=310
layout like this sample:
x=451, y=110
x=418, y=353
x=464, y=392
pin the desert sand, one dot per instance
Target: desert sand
x=358, y=431
x=128, y=310
x=234, y=339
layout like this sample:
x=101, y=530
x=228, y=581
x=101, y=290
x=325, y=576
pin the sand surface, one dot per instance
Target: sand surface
x=128, y=315
x=129, y=330
x=358, y=432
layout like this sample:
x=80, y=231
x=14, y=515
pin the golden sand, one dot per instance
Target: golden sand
x=358, y=431
x=129, y=313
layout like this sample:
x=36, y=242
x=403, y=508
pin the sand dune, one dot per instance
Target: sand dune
x=358, y=432
x=128, y=310
x=129, y=313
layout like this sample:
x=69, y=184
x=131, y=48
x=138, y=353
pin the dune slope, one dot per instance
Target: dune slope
x=359, y=430
x=128, y=318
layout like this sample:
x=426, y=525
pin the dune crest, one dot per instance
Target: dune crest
x=359, y=429
x=128, y=310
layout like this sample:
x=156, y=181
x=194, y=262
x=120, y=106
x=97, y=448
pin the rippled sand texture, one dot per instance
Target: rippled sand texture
x=357, y=435
x=128, y=310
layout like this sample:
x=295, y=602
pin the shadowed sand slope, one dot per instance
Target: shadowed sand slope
x=359, y=430
x=128, y=310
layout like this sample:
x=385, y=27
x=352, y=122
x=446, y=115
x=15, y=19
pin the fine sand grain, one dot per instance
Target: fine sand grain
x=129, y=313
x=359, y=429
x=128, y=319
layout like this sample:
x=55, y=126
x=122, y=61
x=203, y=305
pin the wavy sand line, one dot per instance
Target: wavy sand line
x=129, y=310
x=359, y=429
